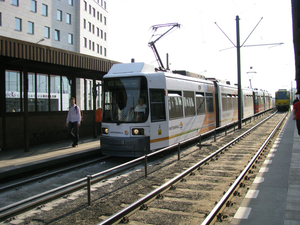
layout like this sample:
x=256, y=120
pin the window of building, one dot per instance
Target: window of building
x=84, y=42
x=90, y=44
x=98, y=15
x=105, y=52
x=93, y=46
x=70, y=2
x=85, y=5
x=13, y=91
x=101, y=34
x=18, y=24
x=0, y=19
x=90, y=9
x=101, y=17
x=55, y=90
x=57, y=35
x=98, y=48
x=104, y=4
x=68, y=18
x=44, y=10
x=98, y=31
x=31, y=92
x=15, y=2
x=47, y=32
x=42, y=92
x=104, y=36
x=84, y=23
x=94, y=12
x=59, y=15
x=104, y=20
x=101, y=50
x=70, y=39
x=93, y=28
x=33, y=6
x=90, y=27
x=30, y=27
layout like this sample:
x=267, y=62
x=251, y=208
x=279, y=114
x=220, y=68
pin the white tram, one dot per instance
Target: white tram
x=145, y=110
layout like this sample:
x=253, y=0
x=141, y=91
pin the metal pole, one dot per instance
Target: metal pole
x=146, y=164
x=238, y=47
x=89, y=189
x=200, y=139
x=178, y=151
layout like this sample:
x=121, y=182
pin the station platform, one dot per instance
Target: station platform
x=274, y=197
x=14, y=162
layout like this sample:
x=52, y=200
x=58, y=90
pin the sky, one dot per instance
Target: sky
x=200, y=45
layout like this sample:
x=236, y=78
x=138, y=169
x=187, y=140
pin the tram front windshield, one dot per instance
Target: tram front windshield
x=125, y=100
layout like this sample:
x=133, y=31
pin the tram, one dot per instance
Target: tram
x=282, y=100
x=146, y=110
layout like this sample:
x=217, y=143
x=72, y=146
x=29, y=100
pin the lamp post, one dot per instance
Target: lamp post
x=43, y=39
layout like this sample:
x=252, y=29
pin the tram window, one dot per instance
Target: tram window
x=209, y=102
x=175, y=104
x=200, y=103
x=157, y=104
x=224, y=102
x=230, y=102
x=189, y=103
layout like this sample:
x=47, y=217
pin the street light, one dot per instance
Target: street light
x=43, y=39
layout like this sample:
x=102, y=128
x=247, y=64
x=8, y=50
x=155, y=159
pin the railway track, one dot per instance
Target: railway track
x=190, y=197
x=196, y=192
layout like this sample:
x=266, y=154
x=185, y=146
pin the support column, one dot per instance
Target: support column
x=26, y=123
x=3, y=109
x=94, y=107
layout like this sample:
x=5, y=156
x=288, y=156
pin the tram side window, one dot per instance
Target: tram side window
x=175, y=104
x=235, y=101
x=200, y=103
x=209, y=102
x=224, y=102
x=157, y=104
x=189, y=103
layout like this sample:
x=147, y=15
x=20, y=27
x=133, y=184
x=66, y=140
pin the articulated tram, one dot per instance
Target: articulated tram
x=145, y=110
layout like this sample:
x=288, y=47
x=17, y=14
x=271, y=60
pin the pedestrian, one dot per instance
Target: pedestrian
x=296, y=100
x=296, y=115
x=73, y=122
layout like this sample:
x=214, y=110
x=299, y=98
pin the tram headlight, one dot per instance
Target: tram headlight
x=137, y=131
x=104, y=130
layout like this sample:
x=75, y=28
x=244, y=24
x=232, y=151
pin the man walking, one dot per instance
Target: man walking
x=73, y=122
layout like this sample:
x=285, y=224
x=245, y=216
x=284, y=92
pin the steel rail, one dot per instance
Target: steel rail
x=139, y=203
x=212, y=216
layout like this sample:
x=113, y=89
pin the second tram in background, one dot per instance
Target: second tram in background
x=146, y=110
x=282, y=100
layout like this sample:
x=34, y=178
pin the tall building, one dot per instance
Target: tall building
x=73, y=25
